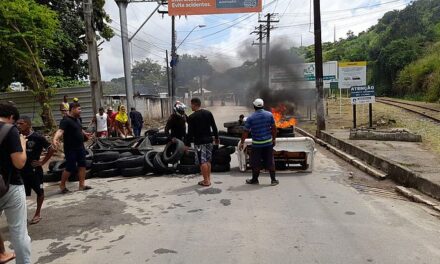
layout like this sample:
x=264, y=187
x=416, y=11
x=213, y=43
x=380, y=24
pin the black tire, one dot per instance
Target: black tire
x=148, y=159
x=220, y=168
x=237, y=130
x=160, y=166
x=228, y=149
x=89, y=154
x=173, y=151
x=50, y=177
x=59, y=167
x=108, y=173
x=136, y=171
x=304, y=165
x=100, y=166
x=221, y=159
x=151, y=131
x=287, y=130
x=106, y=156
x=125, y=154
x=52, y=164
x=189, y=158
x=229, y=141
x=188, y=169
x=231, y=124
x=131, y=162
x=222, y=133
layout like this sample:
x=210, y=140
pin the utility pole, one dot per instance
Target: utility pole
x=320, y=116
x=260, y=51
x=173, y=59
x=170, y=105
x=122, y=4
x=92, y=57
x=269, y=20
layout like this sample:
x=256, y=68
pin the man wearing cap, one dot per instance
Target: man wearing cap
x=262, y=126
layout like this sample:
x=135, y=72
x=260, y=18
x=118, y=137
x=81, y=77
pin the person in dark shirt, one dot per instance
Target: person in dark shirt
x=13, y=202
x=201, y=130
x=176, y=124
x=74, y=151
x=32, y=173
x=137, y=122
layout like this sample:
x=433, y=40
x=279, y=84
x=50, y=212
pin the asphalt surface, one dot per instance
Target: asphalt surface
x=336, y=214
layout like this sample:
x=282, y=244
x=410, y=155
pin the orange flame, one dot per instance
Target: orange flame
x=278, y=115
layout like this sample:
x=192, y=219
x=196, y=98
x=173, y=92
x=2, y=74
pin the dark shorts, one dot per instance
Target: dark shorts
x=33, y=180
x=204, y=153
x=75, y=158
x=262, y=157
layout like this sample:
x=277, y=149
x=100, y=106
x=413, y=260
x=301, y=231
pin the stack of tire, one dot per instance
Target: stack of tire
x=57, y=167
x=232, y=136
x=221, y=159
x=188, y=163
x=165, y=162
x=156, y=137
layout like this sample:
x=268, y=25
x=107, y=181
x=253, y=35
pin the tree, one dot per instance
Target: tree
x=148, y=72
x=27, y=29
x=67, y=61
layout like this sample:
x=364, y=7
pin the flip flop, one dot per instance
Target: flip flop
x=7, y=260
x=65, y=190
x=202, y=183
x=85, y=188
x=34, y=221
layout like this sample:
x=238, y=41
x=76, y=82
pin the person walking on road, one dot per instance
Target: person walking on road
x=176, y=124
x=102, y=122
x=262, y=126
x=201, y=130
x=74, y=151
x=111, y=126
x=32, y=173
x=12, y=195
x=137, y=122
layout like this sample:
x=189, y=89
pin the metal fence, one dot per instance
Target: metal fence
x=28, y=105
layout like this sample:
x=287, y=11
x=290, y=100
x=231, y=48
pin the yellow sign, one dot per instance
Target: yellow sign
x=352, y=64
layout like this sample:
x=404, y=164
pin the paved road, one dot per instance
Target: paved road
x=322, y=217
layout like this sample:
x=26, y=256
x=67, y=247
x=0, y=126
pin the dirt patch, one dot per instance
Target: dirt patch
x=56, y=250
x=209, y=191
x=164, y=251
x=225, y=202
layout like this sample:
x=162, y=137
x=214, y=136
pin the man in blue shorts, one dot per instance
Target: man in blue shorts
x=262, y=126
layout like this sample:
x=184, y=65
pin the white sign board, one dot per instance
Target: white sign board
x=302, y=74
x=352, y=74
x=362, y=94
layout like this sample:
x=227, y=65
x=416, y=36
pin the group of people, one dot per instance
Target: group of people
x=110, y=123
x=21, y=163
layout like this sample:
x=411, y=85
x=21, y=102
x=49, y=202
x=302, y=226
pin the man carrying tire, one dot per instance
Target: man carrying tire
x=201, y=128
x=262, y=126
x=32, y=172
x=74, y=151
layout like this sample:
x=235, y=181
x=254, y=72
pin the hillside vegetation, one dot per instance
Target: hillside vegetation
x=402, y=50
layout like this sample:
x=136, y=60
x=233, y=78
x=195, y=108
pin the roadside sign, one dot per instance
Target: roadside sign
x=362, y=94
x=352, y=74
x=203, y=7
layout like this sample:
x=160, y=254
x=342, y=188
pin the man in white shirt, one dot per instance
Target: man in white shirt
x=102, y=121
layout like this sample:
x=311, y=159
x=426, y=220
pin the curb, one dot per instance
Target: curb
x=347, y=157
x=394, y=171
x=417, y=198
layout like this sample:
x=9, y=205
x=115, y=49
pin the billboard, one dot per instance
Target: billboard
x=302, y=74
x=352, y=74
x=204, y=7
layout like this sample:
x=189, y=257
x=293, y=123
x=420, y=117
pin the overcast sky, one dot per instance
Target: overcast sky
x=226, y=35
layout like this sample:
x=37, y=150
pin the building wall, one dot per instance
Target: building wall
x=150, y=108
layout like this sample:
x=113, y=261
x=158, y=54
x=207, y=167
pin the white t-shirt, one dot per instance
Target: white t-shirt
x=101, y=122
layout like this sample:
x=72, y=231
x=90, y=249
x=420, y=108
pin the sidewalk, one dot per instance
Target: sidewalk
x=407, y=163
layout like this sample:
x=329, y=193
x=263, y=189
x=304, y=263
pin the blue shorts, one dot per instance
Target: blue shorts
x=204, y=153
x=75, y=158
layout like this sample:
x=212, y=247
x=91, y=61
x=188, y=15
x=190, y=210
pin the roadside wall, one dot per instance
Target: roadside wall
x=150, y=108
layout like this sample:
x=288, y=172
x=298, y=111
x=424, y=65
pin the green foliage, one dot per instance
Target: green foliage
x=63, y=82
x=149, y=73
x=398, y=40
x=189, y=67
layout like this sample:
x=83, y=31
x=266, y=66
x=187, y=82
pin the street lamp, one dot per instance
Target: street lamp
x=198, y=26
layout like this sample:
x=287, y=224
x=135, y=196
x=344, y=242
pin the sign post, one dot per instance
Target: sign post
x=363, y=94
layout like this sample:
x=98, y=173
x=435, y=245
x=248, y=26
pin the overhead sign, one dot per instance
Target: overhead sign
x=352, y=74
x=302, y=74
x=362, y=94
x=203, y=7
